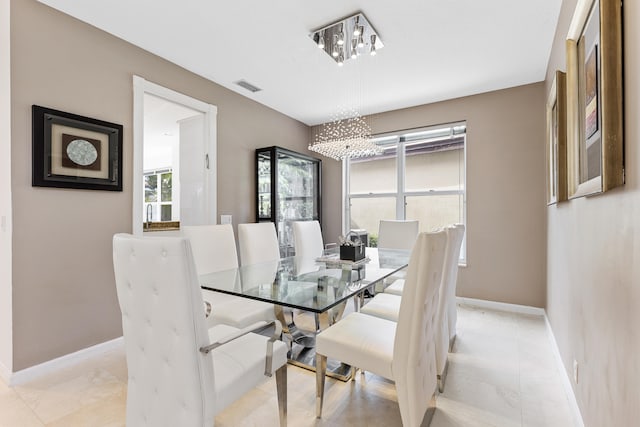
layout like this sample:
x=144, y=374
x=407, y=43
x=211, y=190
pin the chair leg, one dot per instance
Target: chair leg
x=431, y=410
x=358, y=301
x=443, y=377
x=321, y=370
x=281, y=387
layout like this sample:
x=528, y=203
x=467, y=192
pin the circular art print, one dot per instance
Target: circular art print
x=80, y=152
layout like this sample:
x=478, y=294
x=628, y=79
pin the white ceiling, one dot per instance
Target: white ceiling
x=434, y=49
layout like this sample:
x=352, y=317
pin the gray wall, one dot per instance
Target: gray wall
x=505, y=188
x=63, y=287
x=593, y=244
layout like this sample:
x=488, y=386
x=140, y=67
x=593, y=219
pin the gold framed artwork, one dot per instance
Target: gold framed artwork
x=595, y=144
x=72, y=151
x=557, y=140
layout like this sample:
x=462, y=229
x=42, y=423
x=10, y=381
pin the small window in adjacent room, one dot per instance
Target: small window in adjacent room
x=419, y=175
x=158, y=196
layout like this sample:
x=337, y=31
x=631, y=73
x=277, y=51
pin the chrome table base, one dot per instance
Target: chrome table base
x=302, y=344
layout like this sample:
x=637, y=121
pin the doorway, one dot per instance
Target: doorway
x=174, y=177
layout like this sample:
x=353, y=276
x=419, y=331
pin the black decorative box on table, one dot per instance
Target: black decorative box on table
x=353, y=252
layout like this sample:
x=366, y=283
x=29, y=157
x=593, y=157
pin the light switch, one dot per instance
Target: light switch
x=226, y=219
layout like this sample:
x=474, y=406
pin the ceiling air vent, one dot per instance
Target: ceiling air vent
x=248, y=86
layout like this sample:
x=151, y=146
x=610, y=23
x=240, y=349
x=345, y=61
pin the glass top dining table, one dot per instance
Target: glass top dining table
x=308, y=284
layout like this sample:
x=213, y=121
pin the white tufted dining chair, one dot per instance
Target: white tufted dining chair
x=180, y=373
x=395, y=288
x=307, y=239
x=397, y=234
x=384, y=306
x=392, y=234
x=447, y=301
x=309, y=245
x=387, y=306
x=214, y=249
x=402, y=351
x=452, y=280
x=258, y=242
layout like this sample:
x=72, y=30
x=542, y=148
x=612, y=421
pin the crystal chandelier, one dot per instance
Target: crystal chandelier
x=347, y=135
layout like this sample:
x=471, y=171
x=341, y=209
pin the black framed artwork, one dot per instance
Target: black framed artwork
x=72, y=151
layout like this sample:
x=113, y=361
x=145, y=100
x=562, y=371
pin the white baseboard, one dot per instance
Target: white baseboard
x=564, y=378
x=5, y=373
x=523, y=309
x=25, y=375
x=501, y=306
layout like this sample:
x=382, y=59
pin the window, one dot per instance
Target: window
x=419, y=175
x=158, y=195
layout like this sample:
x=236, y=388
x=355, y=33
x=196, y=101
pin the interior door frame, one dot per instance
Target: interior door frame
x=142, y=87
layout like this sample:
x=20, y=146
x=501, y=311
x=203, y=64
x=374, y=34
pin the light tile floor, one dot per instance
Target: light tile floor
x=502, y=373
